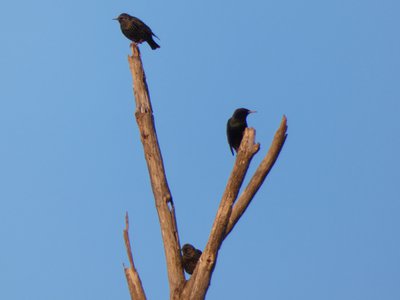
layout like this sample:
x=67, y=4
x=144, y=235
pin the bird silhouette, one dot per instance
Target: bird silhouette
x=136, y=30
x=236, y=126
x=190, y=257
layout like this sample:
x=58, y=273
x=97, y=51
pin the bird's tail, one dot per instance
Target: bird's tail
x=153, y=44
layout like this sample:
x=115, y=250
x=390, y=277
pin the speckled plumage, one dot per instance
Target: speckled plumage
x=136, y=30
x=190, y=257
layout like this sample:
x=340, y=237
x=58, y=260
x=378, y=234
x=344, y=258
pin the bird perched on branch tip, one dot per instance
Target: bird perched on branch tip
x=190, y=257
x=236, y=126
x=136, y=30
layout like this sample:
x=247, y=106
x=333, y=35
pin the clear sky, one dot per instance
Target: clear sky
x=325, y=225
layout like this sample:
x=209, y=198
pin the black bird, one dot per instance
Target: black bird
x=190, y=257
x=135, y=30
x=236, y=126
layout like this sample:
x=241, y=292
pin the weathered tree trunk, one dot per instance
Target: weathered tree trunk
x=228, y=213
x=159, y=184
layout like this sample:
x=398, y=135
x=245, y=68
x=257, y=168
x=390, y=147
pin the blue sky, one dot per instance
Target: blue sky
x=325, y=223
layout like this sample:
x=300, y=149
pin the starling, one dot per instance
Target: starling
x=236, y=126
x=190, y=257
x=135, y=30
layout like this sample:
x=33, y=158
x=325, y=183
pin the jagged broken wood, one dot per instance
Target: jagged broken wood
x=228, y=212
x=132, y=276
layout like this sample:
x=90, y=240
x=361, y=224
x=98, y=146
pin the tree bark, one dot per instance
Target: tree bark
x=199, y=282
x=228, y=213
x=259, y=176
x=162, y=195
x=132, y=276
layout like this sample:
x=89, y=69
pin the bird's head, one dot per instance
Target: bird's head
x=122, y=18
x=188, y=250
x=242, y=113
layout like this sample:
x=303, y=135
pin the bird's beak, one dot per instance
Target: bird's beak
x=115, y=19
x=252, y=111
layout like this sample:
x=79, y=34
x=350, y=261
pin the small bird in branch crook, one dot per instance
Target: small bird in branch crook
x=136, y=30
x=236, y=126
x=190, y=257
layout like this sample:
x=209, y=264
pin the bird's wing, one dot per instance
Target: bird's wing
x=143, y=26
x=138, y=21
x=229, y=137
x=134, y=26
x=198, y=253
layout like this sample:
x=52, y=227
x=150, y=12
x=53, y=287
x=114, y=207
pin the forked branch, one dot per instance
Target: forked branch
x=227, y=216
x=259, y=176
x=200, y=280
x=228, y=213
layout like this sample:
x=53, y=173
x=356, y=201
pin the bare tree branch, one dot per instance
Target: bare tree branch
x=198, y=284
x=132, y=277
x=127, y=241
x=259, y=176
x=228, y=213
x=155, y=165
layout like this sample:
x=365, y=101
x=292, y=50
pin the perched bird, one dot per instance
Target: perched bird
x=236, y=126
x=190, y=257
x=135, y=30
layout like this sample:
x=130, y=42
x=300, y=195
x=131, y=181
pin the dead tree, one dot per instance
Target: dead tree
x=229, y=212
